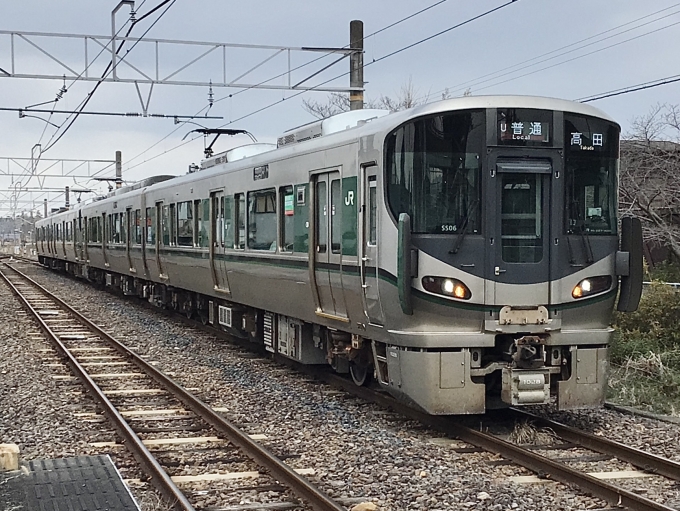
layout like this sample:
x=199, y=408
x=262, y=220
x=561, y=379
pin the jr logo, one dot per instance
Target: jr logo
x=349, y=198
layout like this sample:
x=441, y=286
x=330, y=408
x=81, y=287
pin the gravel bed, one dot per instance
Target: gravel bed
x=355, y=448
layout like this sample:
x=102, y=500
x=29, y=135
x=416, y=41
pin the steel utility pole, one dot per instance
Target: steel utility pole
x=356, y=65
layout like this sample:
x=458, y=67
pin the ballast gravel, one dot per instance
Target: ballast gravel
x=358, y=451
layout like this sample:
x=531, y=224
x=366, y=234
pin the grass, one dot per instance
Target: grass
x=645, y=352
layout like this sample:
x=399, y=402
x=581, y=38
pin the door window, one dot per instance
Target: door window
x=321, y=218
x=521, y=225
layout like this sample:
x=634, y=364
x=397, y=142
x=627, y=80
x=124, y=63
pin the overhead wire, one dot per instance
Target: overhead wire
x=516, y=67
x=391, y=25
x=632, y=88
x=266, y=107
x=108, y=69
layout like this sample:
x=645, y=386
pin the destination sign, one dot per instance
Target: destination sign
x=582, y=133
x=524, y=127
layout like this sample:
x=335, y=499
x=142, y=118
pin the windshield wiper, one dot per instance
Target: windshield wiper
x=463, y=232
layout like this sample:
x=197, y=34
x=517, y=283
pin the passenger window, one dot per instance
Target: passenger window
x=203, y=217
x=118, y=217
x=287, y=218
x=185, y=224
x=240, y=234
x=173, y=225
x=262, y=220
x=150, y=226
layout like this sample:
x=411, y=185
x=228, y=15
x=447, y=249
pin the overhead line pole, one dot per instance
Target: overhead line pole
x=356, y=59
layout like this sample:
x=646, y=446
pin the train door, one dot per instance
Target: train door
x=217, y=248
x=327, y=200
x=520, y=261
x=369, y=245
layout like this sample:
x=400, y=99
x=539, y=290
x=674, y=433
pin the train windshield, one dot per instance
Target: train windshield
x=434, y=170
x=591, y=167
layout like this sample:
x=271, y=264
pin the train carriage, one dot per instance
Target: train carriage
x=466, y=253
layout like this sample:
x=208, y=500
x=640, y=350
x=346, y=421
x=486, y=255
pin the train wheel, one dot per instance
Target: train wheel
x=362, y=374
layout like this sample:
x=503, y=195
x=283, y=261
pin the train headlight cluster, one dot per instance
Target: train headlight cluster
x=591, y=286
x=447, y=287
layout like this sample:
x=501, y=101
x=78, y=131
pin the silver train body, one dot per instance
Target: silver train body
x=465, y=253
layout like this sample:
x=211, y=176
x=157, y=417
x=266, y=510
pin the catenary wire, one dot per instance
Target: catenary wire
x=515, y=67
x=469, y=20
x=410, y=16
x=632, y=88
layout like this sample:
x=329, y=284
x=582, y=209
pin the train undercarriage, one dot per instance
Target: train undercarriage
x=520, y=368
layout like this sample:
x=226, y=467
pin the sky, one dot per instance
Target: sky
x=579, y=48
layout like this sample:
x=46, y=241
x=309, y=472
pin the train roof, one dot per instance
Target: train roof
x=375, y=125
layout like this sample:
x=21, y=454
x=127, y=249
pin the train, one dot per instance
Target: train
x=462, y=255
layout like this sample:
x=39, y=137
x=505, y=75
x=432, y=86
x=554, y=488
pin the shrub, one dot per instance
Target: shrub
x=654, y=326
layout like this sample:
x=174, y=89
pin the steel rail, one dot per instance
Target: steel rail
x=541, y=465
x=641, y=459
x=258, y=453
x=160, y=478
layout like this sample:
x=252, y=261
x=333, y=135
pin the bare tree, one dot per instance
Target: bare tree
x=408, y=97
x=650, y=175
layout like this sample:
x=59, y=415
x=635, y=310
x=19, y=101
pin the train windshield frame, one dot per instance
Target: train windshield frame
x=591, y=175
x=434, y=167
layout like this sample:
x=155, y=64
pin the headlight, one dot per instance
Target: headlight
x=447, y=287
x=591, y=286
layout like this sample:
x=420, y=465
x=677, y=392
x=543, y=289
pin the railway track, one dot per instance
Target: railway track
x=117, y=378
x=537, y=459
x=527, y=456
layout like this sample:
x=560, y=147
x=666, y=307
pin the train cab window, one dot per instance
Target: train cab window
x=185, y=224
x=240, y=215
x=150, y=226
x=287, y=218
x=591, y=163
x=203, y=222
x=228, y=221
x=434, y=171
x=262, y=220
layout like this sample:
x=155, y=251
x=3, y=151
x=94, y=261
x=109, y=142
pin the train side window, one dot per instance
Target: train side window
x=150, y=226
x=219, y=219
x=185, y=224
x=100, y=235
x=287, y=219
x=240, y=234
x=203, y=222
x=228, y=221
x=262, y=220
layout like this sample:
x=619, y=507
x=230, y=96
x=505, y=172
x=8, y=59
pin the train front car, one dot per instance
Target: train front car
x=507, y=257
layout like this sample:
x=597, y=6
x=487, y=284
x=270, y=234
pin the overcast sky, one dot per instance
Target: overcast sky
x=456, y=60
